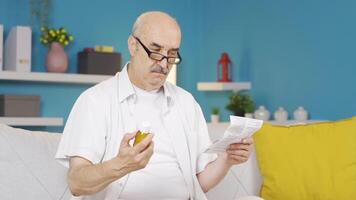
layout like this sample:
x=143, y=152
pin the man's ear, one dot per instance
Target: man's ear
x=132, y=45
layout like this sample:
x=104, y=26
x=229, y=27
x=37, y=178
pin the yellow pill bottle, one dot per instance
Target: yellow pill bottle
x=142, y=132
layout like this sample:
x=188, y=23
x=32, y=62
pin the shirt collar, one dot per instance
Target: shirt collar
x=125, y=86
x=126, y=89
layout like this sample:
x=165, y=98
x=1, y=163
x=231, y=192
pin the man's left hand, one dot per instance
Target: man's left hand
x=238, y=153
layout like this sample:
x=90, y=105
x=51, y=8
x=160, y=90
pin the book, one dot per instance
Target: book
x=18, y=49
x=104, y=49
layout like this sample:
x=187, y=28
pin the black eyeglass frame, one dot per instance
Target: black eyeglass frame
x=149, y=53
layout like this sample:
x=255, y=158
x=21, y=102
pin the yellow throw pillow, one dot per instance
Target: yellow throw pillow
x=308, y=162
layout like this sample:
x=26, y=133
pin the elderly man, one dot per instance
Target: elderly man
x=169, y=164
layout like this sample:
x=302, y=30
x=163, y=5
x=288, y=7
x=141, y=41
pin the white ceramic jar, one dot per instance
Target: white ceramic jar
x=249, y=115
x=262, y=113
x=281, y=115
x=300, y=114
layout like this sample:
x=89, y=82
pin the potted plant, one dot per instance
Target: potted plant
x=56, y=39
x=240, y=104
x=214, y=115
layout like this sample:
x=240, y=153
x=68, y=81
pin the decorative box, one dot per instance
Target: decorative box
x=19, y=105
x=98, y=63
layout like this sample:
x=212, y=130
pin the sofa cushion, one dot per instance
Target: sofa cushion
x=28, y=169
x=314, y=161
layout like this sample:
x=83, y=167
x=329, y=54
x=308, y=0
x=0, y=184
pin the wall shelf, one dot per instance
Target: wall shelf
x=219, y=86
x=32, y=121
x=52, y=77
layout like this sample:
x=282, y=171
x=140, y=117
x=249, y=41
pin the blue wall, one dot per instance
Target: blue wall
x=294, y=52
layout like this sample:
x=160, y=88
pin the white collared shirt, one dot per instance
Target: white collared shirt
x=102, y=115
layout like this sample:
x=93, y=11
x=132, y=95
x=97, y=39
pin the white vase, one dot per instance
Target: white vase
x=214, y=118
x=249, y=115
x=300, y=114
x=262, y=113
x=281, y=115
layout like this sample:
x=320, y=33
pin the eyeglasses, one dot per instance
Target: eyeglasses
x=159, y=57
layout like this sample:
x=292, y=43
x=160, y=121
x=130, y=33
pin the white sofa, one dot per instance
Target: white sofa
x=28, y=169
x=27, y=166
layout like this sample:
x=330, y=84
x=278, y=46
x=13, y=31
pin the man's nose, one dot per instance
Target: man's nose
x=164, y=62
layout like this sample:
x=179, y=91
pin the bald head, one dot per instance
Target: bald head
x=150, y=21
x=158, y=33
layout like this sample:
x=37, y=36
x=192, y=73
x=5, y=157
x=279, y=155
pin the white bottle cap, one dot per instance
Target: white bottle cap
x=145, y=127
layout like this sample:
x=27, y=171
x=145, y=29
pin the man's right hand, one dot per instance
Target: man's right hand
x=85, y=178
x=134, y=158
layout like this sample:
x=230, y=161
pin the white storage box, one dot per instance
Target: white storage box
x=18, y=49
